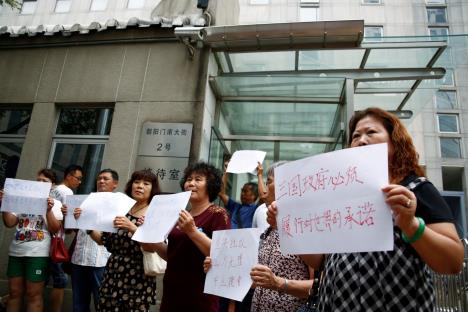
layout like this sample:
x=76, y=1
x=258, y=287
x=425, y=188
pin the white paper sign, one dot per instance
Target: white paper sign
x=333, y=202
x=100, y=209
x=233, y=254
x=72, y=202
x=23, y=196
x=245, y=161
x=57, y=210
x=161, y=216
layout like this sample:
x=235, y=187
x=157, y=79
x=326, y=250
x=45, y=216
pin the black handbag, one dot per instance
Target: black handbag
x=311, y=304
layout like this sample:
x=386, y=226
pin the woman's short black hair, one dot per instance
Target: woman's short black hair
x=213, y=177
x=145, y=175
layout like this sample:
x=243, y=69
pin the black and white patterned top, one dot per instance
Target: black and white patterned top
x=290, y=267
x=396, y=280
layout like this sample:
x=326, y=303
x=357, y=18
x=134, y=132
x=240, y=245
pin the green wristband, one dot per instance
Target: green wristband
x=417, y=235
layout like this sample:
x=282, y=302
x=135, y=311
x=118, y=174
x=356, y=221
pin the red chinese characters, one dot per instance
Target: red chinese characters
x=321, y=180
x=347, y=218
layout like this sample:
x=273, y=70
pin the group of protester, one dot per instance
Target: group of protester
x=109, y=266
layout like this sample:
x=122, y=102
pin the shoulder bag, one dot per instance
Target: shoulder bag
x=67, y=266
x=153, y=263
x=58, y=251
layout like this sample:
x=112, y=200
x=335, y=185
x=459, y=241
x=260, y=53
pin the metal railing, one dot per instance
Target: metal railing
x=451, y=291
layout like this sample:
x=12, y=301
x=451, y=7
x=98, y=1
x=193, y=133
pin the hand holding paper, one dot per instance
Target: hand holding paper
x=333, y=202
x=100, y=209
x=233, y=254
x=245, y=161
x=161, y=216
x=73, y=202
x=22, y=196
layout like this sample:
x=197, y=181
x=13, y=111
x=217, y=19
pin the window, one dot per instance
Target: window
x=98, y=5
x=371, y=1
x=28, y=6
x=309, y=2
x=259, y=1
x=308, y=14
x=453, y=186
x=450, y=147
x=373, y=33
x=13, y=128
x=448, y=123
x=436, y=15
x=446, y=100
x=435, y=1
x=447, y=80
x=62, y=6
x=452, y=179
x=135, y=4
x=80, y=138
x=440, y=33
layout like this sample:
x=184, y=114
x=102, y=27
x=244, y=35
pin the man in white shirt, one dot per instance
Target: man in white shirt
x=72, y=177
x=89, y=259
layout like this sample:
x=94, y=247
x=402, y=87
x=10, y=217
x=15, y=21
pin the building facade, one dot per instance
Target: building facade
x=91, y=82
x=439, y=124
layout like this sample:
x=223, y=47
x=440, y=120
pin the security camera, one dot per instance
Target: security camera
x=192, y=33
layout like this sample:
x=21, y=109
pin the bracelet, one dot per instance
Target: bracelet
x=285, y=285
x=417, y=235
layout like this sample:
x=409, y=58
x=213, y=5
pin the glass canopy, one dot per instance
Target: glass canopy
x=293, y=100
x=280, y=119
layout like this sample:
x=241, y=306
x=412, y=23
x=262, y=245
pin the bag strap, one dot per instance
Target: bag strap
x=60, y=232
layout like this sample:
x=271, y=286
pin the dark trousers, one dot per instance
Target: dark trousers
x=243, y=306
x=86, y=281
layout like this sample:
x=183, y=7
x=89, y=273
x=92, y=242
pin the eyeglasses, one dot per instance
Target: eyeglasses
x=78, y=178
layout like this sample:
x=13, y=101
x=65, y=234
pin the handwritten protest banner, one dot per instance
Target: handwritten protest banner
x=72, y=202
x=333, y=202
x=233, y=254
x=162, y=215
x=245, y=161
x=22, y=196
x=100, y=209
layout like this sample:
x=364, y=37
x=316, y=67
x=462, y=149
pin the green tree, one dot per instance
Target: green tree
x=15, y=4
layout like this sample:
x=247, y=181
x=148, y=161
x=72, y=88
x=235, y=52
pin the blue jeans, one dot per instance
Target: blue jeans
x=86, y=280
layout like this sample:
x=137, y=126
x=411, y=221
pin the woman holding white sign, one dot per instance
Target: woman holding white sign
x=29, y=251
x=125, y=287
x=189, y=242
x=424, y=233
x=281, y=282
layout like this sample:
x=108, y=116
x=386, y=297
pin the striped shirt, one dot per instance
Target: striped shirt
x=88, y=253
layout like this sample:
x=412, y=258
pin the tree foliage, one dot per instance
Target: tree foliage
x=14, y=4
